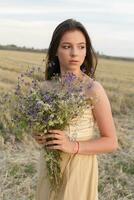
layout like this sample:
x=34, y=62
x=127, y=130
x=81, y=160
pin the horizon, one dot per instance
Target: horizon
x=30, y=49
x=110, y=24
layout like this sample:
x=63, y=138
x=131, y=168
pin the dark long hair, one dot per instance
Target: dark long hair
x=52, y=62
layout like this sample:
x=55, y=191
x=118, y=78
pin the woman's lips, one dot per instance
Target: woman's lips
x=73, y=61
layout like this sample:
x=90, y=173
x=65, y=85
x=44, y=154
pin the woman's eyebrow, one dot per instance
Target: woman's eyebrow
x=71, y=43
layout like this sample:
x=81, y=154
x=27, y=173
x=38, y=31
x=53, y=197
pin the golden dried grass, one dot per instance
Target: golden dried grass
x=18, y=162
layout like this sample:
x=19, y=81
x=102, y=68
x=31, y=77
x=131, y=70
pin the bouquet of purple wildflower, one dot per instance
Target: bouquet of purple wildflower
x=40, y=105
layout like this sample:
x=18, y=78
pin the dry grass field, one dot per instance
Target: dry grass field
x=19, y=161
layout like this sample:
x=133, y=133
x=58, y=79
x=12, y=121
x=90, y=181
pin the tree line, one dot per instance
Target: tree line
x=32, y=49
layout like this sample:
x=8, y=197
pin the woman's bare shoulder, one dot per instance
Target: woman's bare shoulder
x=96, y=92
x=96, y=87
x=100, y=94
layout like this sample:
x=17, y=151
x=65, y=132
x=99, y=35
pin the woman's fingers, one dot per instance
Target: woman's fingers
x=53, y=135
x=58, y=132
x=53, y=142
x=55, y=147
x=40, y=139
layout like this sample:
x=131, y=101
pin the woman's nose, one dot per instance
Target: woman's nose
x=74, y=51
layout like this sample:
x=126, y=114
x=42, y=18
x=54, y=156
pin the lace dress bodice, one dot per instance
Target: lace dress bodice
x=82, y=126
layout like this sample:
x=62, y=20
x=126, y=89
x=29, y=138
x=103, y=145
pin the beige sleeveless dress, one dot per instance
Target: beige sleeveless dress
x=79, y=172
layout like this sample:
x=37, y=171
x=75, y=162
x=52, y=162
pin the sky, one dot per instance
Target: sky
x=30, y=23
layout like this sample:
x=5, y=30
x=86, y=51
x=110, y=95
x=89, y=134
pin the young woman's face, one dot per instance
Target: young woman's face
x=71, y=51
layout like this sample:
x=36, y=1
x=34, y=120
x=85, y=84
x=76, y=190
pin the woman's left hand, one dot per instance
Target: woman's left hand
x=60, y=141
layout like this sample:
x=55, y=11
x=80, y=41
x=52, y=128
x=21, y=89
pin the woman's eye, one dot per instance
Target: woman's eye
x=82, y=47
x=66, y=47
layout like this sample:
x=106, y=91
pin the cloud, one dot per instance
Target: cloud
x=46, y=9
x=125, y=8
x=109, y=23
x=115, y=8
x=29, y=33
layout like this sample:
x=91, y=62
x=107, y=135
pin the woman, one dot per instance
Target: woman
x=70, y=50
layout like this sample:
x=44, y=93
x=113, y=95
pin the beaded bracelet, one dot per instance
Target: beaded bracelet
x=77, y=147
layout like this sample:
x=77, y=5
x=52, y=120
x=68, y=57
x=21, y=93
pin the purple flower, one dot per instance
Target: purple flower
x=69, y=78
x=47, y=98
x=39, y=105
x=92, y=70
x=84, y=69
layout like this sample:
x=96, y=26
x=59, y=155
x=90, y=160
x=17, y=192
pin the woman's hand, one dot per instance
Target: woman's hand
x=60, y=141
x=40, y=139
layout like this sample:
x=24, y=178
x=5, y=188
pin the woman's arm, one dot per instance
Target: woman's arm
x=103, y=116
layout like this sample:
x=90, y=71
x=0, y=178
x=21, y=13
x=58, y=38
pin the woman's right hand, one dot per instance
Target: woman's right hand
x=40, y=139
